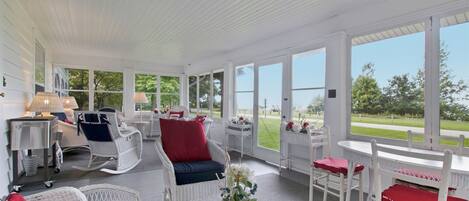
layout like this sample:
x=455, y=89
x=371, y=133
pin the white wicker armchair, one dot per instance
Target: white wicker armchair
x=194, y=191
x=97, y=192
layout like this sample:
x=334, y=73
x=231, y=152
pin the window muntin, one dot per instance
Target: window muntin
x=244, y=90
x=308, y=84
x=454, y=77
x=387, y=90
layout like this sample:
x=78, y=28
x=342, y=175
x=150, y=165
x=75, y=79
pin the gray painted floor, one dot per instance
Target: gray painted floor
x=147, y=178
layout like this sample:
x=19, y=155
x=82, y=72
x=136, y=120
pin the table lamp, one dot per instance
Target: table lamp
x=69, y=103
x=140, y=98
x=46, y=102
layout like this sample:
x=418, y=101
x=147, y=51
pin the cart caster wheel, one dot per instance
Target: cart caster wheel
x=57, y=170
x=17, y=188
x=48, y=184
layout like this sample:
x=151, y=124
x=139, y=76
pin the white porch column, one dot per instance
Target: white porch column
x=337, y=78
x=228, y=91
x=184, y=90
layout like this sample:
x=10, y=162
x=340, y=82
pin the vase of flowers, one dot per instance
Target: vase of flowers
x=239, y=184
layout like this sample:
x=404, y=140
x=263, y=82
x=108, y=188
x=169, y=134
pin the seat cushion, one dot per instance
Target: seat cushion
x=184, y=141
x=399, y=192
x=198, y=171
x=335, y=165
x=179, y=114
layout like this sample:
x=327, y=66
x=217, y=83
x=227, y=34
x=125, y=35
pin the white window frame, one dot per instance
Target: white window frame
x=432, y=80
x=92, y=86
x=158, y=92
x=210, y=97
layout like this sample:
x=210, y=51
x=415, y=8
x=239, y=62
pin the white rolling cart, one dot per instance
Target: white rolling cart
x=240, y=130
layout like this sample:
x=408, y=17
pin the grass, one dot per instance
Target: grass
x=413, y=122
x=269, y=134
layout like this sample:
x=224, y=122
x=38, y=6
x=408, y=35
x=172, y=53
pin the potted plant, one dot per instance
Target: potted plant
x=239, y=184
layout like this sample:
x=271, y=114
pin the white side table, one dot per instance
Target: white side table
x=142, y=127
x=241, y=130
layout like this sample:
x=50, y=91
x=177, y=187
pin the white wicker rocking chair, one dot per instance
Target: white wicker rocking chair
x=107, y=140
x=194, y=191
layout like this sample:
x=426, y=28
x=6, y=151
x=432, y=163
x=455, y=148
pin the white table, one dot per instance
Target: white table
x=360, y=152
x=241, y=130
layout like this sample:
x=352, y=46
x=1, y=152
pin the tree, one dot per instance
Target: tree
x=316, y=105
x=366, y=95
x=401, y=96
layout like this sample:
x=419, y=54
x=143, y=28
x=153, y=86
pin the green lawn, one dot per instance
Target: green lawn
x=269, y=133
x=414, y=122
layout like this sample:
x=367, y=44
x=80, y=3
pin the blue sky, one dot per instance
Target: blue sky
x=391, y=57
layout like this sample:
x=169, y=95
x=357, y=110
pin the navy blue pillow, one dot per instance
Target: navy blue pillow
x=197, y=171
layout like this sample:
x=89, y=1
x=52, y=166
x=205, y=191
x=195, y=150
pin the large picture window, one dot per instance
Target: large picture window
x=454, y=76
x=308, y=83
x=169, y=91
x=206, y=94
x=388, y=83
x=78, y=80
x=146, y=83
x=109, y=88
x=244, y=90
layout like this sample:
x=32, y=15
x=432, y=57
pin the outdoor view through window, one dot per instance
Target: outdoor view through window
x=388, y=82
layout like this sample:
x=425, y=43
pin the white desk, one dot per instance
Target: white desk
x=360, y=152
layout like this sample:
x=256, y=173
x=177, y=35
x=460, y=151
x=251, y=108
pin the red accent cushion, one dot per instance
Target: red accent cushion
x=399, y=192
x=335, y=165
x=181, y=113
x=200, y=118
x=15, y=197
x=184, y=141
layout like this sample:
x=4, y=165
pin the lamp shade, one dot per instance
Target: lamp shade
x=140, y=97
x=46, y=102
x=69, y=102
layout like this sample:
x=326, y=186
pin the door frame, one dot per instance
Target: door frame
x=261, y=152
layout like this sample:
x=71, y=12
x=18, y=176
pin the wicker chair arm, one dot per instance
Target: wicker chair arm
x=108, y=192
x=217, y=153
x=167, y=164
x=59, y=194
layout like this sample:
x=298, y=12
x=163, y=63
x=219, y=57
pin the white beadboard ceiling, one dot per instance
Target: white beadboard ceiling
x=171, y=32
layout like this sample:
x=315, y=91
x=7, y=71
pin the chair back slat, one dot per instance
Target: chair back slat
x=458, y=148
x=441, y=183
x=320, y=138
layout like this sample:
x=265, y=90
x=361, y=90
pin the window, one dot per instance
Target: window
x=244, y=91
x=454, y=76
x=193, y=95
x=39, y=67
x=308, y=83
x=388, y=83
x=169, y=91
x=78, y=80
x=217, y=100
x=146, y=83
x=206, y=94
x=108, y=89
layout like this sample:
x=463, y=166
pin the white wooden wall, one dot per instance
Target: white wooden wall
x=17, y=39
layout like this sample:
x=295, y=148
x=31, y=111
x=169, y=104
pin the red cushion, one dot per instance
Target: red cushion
x=184, y=141
x=335, y=165
x=422, y=175
x=399, y=192
x=15, y=197
x=181, y=113
x=200, y=118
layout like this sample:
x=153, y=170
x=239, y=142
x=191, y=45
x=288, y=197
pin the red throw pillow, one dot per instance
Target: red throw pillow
x=200, y=118
x=184, y=141
x=15, y=197
x=68, y=121
x=181, y=114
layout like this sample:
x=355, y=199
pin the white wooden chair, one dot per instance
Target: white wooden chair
x=458, y=149
x=439, y=165
x=107, y=140
x=323, y=169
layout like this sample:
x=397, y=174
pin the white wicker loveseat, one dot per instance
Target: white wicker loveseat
x=97, y=192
